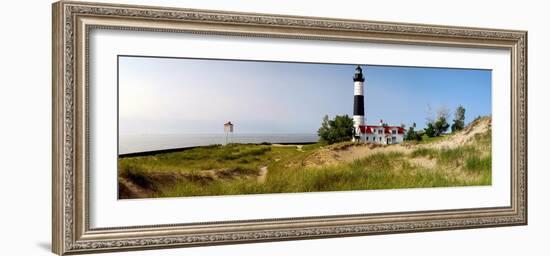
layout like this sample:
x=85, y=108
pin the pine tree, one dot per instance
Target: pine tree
x=412, y=134
x=441, y=126
x=458, y=122
x=430, y=130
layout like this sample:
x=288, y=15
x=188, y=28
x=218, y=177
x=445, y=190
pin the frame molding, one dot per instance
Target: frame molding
x=72, y=22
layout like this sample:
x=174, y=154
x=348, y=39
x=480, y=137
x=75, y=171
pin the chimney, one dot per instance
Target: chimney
x=381, y=122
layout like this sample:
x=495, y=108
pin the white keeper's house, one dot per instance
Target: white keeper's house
x=379, y=134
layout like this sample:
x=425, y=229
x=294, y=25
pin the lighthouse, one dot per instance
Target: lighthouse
x=358, y=102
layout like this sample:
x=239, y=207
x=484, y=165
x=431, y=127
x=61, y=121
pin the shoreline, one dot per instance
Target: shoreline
x=172, y=150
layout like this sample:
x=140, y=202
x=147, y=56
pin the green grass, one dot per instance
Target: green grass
x=424, y=152
x=182, y=173
x=179, y=166
x=478, y=164
x=204, y=158
x=448, y=157
x=427, y=139
x=380, y=171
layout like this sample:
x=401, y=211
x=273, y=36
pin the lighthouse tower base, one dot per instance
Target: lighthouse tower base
x=358, y=121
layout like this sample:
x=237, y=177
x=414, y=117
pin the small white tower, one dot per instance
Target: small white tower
x=358, y=102
x=228, y=129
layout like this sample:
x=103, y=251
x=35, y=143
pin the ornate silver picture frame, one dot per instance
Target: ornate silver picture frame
x=72, y=24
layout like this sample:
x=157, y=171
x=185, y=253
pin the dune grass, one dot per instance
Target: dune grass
x=427, y=139
x=379, y=171
x=237, y=168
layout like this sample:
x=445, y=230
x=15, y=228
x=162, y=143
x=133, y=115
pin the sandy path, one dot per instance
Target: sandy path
x=262, y=175
x=298, y=147
x=127, y=189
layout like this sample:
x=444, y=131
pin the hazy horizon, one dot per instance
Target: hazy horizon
x=194, y=96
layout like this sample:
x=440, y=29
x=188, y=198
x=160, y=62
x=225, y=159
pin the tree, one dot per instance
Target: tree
x=325, y=128
x=438, y=125
x=412, y=135
x=458, y=122
x=442, y=113
x=337, y=130
x=430, y=130
x=429, y=115
x=441, y=125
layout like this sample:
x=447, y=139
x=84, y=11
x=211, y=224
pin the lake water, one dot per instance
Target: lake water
x=143, y=143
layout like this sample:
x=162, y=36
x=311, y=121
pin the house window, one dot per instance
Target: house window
x=394, y=132
x=393, y=139
x=380, y=138
x=380, y=131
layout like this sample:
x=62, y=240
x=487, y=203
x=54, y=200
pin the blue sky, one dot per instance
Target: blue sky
x=186, y=96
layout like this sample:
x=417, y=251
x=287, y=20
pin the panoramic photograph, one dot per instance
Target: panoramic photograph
x=213, y=127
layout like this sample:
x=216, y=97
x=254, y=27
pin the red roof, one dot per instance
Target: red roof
x=369, y=129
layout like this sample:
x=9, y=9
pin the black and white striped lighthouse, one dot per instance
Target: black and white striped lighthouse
x=358, y=102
